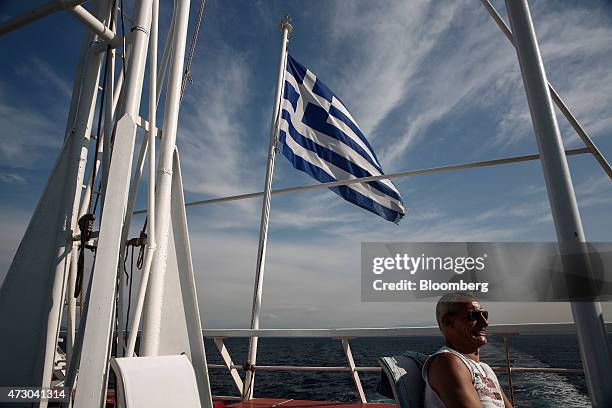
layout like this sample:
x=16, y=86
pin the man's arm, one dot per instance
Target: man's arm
x=451, y=380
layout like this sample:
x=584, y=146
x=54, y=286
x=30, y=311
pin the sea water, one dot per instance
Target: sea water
x=526, y=350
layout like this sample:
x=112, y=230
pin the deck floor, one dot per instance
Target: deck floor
x=286, y=403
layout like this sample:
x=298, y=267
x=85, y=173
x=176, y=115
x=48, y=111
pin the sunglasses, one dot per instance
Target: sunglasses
x=474, y=315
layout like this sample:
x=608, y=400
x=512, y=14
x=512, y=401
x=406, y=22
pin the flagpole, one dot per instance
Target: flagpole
x=247, y=392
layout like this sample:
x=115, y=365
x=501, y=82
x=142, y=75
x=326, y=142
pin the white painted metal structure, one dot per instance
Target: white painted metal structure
x=46, y=264
x=592, y=335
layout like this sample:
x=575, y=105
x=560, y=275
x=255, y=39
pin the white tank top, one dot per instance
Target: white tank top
x=484, y=379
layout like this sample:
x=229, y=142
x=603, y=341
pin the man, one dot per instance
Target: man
x=454, y=375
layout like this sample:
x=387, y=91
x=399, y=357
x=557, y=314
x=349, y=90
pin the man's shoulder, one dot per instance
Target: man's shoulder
x=447, y=367
x=447, y=362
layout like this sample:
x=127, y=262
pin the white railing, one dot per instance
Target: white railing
x=503, y=330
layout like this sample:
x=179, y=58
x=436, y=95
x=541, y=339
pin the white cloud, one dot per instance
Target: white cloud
x=393, y=48
x=46, y=76
x=214, y=138
x=430, y=73
x=11, y=178
x=594, y=191
x=26, y=134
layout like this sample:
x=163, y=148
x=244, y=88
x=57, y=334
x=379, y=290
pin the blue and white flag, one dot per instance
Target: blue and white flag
x=321, y=138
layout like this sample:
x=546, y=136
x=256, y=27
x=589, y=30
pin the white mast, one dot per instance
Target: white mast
x=153, y=304
x=150, y=145
x=592, y=336
x=247, y=392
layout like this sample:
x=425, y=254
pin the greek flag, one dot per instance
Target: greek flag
x=320, y=137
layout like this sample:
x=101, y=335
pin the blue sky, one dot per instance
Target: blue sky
x=430, y=83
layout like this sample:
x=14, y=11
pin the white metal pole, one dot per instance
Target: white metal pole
x=105, y=33
x=127, y=221
x=249, y=383
x=71, y=302
x=109, y=123
x=36, y=14
x=78, y=78
x=93, y=368
x=188, y=285
x=388, y=176
x=152, y=125
x=71, y=197
x=74, y=255
x=70, y=123
x=592, y=336
x=166, y=54
x=137, y=60
x=151, y=242
x=109, y=110
x=153, y=305
x=104, y=148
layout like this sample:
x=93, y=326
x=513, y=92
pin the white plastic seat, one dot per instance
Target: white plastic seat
x=151, y=382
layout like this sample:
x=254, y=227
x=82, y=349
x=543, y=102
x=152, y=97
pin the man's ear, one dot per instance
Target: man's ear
x=447, y=321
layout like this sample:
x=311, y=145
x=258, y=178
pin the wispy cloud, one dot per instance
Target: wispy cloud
x=11, y=178
x=26, y=134
x=313, y=210
x=429, y=74
x=393, y=48
x=214, y=136
x=594, y=191
x=574, y=62
x=43, y=74
x=424, y=74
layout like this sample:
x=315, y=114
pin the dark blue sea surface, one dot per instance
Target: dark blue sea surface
x=529, y=389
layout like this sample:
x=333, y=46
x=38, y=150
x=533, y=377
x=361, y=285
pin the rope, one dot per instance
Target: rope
x=123, y=39
x=194, y=39
x=129, y=279
x=140, y=242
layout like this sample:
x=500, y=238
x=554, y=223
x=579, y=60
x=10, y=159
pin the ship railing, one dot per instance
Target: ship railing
x=344, y=335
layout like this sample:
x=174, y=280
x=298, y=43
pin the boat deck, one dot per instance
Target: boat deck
x=285, y=403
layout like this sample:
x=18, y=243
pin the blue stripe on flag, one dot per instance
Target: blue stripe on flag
x=345, y=192
x=338, y=114
x=291, y=95
x=334, y=158
x=322, y=90
x=296, y=69
x=315, y=117
x=318, y=104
